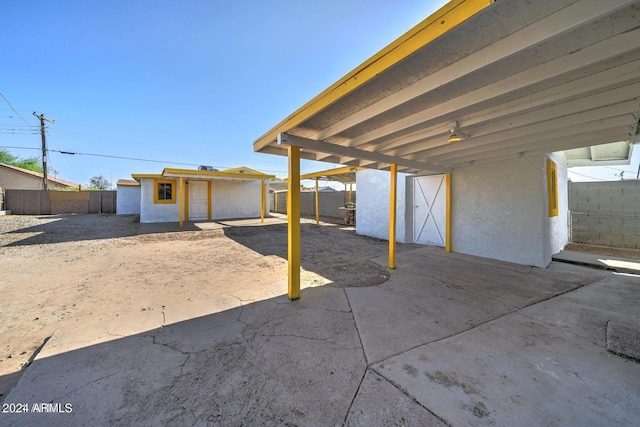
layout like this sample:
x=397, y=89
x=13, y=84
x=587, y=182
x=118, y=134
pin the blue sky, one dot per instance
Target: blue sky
x=190, y=81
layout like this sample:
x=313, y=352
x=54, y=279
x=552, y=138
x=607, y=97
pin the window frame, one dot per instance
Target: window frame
x=156, y=191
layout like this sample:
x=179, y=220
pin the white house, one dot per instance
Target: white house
x=177, y=195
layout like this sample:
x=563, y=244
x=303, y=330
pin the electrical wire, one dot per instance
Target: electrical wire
x=14, y=110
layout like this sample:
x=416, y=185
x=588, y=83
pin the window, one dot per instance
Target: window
x=165, y=191
x=552, y=187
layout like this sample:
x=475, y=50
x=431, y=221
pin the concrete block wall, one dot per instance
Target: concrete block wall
x=613, y=197
x=606, y=213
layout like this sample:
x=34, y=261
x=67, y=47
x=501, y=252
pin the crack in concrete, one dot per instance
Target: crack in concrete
x=58, y=398
x=410, y=397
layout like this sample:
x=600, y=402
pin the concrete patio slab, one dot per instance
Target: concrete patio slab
x=586, y=311
x=621, y=265
x=516, y=371
x=410, y=310
x=398, y=409
x=445, y=341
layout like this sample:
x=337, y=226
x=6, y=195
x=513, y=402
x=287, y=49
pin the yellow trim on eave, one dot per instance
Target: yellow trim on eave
x=444, y=19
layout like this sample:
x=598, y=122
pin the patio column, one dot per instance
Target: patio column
x=262, y=202
x=392, y=216
x=317, y=204
x=209, y=200
x=293, y=223
x=447, y=243
x=350, y=192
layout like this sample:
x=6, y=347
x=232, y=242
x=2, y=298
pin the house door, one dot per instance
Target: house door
x=429, y=210
x=198, y=200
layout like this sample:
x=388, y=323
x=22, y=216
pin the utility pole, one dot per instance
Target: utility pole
x=45, y=179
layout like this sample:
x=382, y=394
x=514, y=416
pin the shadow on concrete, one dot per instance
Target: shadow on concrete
x=269, y=362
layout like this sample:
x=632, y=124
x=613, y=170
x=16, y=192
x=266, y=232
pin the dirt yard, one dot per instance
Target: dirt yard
x=58, y=271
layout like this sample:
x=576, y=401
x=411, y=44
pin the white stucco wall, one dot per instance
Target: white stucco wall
x=152, y=212
x=128, y=200
x=235, y=199
x=372, y=208
x=499, y=210
x=557, y=227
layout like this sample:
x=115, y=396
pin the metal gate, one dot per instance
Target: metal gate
x=429, y=210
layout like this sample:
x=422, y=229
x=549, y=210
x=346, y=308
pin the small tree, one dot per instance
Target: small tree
x=29, y=163
x=99, y=182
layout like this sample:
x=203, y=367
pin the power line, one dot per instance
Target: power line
x=121, y=157
x=18, y=148
x=14, y=110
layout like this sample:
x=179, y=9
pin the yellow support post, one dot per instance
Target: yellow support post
x=209, y=200
x=181, y=201
x=350, y=192
x=262, y=202
x=447, y=244
x=293, y=220
x=392, y=216
x=317, y=204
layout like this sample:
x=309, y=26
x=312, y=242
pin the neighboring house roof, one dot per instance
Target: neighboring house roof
x=39, y=175
x=509, y=78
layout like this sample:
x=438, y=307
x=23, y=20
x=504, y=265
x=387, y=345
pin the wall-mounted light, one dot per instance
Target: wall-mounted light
x=456, y=134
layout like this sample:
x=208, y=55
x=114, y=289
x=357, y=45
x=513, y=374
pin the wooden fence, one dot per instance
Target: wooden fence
x=41, y=202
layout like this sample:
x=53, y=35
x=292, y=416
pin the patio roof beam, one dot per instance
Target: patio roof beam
x=606, y=49
x=602, y=81
x=325, y=147
x=552, y=26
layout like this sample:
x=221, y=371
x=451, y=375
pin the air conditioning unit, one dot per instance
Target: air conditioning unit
x=207, y=168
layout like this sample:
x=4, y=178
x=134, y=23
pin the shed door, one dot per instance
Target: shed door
x=198, y=199
x=429, y=210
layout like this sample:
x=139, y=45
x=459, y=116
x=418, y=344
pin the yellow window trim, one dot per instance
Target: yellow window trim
x=156, y=182
x=552, y=187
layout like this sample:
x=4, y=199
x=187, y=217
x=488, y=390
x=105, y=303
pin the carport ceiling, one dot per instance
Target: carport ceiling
x=519, y=79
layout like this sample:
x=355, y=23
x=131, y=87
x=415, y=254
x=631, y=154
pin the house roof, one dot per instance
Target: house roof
x=511, y=78
x=231, y=174
x=39, y=175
